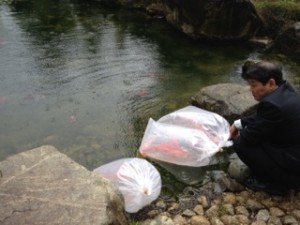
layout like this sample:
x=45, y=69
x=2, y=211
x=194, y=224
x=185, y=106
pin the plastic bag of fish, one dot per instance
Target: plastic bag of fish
x=137, y=179
x=189, y=137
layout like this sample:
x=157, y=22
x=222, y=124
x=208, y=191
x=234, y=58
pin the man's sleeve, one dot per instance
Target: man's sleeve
x=261, y=125
x=247, y=120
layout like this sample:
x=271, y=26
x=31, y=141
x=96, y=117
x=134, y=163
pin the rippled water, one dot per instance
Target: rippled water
x=87, y=79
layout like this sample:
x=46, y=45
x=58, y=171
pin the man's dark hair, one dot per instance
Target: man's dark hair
x=262, y=71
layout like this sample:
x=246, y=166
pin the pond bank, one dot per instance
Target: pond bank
x=223, y=200
x=275, y=22
x=200, y=206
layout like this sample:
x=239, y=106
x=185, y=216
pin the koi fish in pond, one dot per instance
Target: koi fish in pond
x=31, y=98
x=72, y=117
x=141, y=93
x=3, y=101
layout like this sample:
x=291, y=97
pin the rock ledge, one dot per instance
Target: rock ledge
x=44, y=186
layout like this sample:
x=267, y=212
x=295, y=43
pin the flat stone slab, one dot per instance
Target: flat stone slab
x=227, y=99
x=44, y=186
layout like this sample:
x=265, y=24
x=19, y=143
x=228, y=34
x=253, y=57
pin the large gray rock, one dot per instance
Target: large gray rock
x=44, y=186
x=289, y=41
x=216, y=20
x=237, y=169
x=228, y=99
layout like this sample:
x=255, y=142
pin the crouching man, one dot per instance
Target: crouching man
x=268, y=142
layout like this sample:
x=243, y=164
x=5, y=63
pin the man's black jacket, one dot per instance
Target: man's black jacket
x=273, y=133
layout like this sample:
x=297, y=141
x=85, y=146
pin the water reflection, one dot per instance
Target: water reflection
x=87, y=79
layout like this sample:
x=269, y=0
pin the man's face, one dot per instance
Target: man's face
x=259, y=90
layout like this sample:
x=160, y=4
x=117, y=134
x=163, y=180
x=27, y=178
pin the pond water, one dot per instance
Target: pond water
x=86, y=79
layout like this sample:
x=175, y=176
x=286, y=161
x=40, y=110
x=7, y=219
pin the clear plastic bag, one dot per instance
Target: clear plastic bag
x=189, y=136
x=137, y=179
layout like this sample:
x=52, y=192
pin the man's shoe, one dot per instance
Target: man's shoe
x=255, y=185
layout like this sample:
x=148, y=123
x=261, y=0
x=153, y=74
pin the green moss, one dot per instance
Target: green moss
x=290, y=9
x=132, y=222
x=222, y=210
x=280, y=3
x=6, y=2
x=278, y=14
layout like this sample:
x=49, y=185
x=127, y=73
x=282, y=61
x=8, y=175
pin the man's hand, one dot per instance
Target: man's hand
x=234, y=132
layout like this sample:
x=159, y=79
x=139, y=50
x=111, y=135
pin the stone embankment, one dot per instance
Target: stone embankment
x=227, y=208
x=274, y=27
x=233, y=204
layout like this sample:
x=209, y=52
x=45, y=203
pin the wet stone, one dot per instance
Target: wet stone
x=237, y=169
x=196, y=220
x=240, y=200
x=289, y=220
x=296, y=214
x=287, y=205
x=162, y=220
x=274, y=211
x=253, y=204
x=161, y=204
x=179, y=220
x=203, y=201
x=228, y=208
x=216, y=221
x=242, y=210
x=229, y=198
x=243, y=219
x=174, y=207
x=260, y=222
x=269, y=202
x=153, y=213
x=232, y=220
x=274, y=221
x=245, y=194
x=212, y=211
x=188, y=213
x=261, y=195
x=263, y=215
x=217, y=201
x=199, y=210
